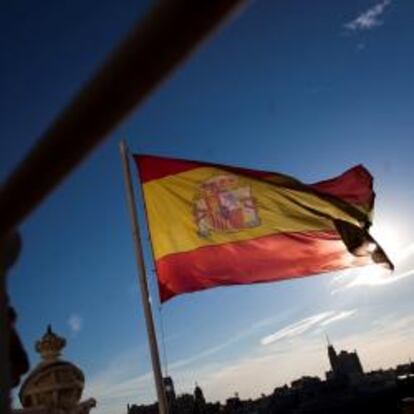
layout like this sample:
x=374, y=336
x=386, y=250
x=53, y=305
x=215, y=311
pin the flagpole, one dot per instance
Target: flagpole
x=145, y=299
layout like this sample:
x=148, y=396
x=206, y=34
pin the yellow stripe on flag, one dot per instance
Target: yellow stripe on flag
x=172, y=205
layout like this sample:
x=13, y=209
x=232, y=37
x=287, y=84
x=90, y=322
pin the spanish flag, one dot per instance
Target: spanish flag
x=214, y=225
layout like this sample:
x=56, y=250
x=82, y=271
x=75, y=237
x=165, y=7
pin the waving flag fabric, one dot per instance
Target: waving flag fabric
x=213, y=225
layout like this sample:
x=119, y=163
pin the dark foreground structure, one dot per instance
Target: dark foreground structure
x=156, y=46
x=346, y=389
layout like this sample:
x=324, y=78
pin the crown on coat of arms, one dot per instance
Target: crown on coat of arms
x=224, y=204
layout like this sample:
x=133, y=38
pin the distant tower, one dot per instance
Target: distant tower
x=199, y=400
x=169, y=390
x=345, y=365
x=54, y=386
x=332, y=355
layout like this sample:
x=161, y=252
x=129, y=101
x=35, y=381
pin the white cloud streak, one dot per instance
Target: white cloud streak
x=338, y=316
x=368, y=19
x=296, y=328
x=304, y=325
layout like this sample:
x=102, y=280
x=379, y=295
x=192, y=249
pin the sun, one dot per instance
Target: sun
x=389, y=237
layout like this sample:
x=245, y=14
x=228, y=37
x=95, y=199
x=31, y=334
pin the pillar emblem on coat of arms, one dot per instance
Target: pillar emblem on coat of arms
x=224, y=204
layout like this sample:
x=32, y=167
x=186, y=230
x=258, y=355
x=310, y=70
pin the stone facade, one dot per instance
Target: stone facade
x=54, y=386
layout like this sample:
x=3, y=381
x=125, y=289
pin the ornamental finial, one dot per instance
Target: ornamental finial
x=50, y=345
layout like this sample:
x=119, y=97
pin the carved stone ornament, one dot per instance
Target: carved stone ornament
x=54, y=386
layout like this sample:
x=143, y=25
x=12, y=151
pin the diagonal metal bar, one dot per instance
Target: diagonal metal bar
x=158, y=43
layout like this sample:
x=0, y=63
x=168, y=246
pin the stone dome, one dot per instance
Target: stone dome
x=53, y=383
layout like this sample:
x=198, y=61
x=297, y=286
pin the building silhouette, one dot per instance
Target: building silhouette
x=344, y=365
x=169, y=391
x=199, y=400
x=346, y=389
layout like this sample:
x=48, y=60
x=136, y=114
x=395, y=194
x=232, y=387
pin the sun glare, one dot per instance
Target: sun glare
x=391, y=240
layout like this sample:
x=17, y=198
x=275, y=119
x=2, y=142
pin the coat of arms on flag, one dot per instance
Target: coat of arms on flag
x=224, y=204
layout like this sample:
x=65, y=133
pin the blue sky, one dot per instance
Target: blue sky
x=304, y=88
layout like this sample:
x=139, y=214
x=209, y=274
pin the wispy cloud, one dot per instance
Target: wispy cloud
x=120, y=381
x=225, y=344
x=381, y=343
x=75, y=323
x=370, y=18
x=338, y=316
x=304, y=325
x=360, y=47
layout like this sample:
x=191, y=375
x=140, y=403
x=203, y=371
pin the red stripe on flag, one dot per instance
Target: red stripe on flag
x=265, y=259
x=154, y=168
x=353, y=186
